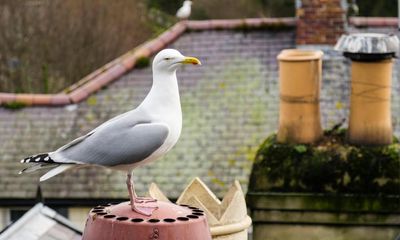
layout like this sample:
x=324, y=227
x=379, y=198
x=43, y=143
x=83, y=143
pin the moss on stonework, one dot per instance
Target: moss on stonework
x=14, y=105
x=330, y=166
x=142, y=62
x=279, y=26
x=245, y=27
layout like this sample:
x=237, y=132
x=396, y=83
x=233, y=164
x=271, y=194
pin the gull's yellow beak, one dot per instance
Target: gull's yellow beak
x=191, y=60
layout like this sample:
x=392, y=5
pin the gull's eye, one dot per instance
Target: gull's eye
x=167, y=58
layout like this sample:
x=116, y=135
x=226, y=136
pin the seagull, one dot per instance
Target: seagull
x=131, y=139
x=184, y=11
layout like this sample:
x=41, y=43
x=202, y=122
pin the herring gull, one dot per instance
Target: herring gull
x=131, y=139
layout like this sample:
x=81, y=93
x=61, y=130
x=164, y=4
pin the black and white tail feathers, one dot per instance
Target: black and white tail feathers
x=42, y=161
x=39, y=161
x=40, y=158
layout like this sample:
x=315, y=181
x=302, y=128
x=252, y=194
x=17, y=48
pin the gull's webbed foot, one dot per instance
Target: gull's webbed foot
x=145, y=200
x=143, y=209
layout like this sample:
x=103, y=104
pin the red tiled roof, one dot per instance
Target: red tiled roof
x=116, y=68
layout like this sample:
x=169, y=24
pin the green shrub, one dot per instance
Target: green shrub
x=46, y=46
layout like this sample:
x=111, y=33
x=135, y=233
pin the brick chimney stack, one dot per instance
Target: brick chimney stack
x=319, y=21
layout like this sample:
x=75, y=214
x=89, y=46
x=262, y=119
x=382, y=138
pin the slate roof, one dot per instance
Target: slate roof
x=41, y=222
x=237, y=85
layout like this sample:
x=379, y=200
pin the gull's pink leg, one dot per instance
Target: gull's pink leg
x=140, y=199
x=137, y=203
x=129, y=186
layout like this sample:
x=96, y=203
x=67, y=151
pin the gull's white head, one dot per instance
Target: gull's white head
x=168, y=60
x=187, y=2
x=184, y=11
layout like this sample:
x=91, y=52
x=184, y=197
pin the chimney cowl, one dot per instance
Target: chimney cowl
x=368, y=46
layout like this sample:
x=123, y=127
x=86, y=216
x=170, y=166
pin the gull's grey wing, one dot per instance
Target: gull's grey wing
x=81, y=138
x=119, y=142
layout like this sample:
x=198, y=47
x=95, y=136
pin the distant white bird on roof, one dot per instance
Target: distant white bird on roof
x=185, y=10
x=131, y=139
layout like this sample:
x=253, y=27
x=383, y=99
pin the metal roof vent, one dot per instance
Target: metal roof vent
x=368, y=46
